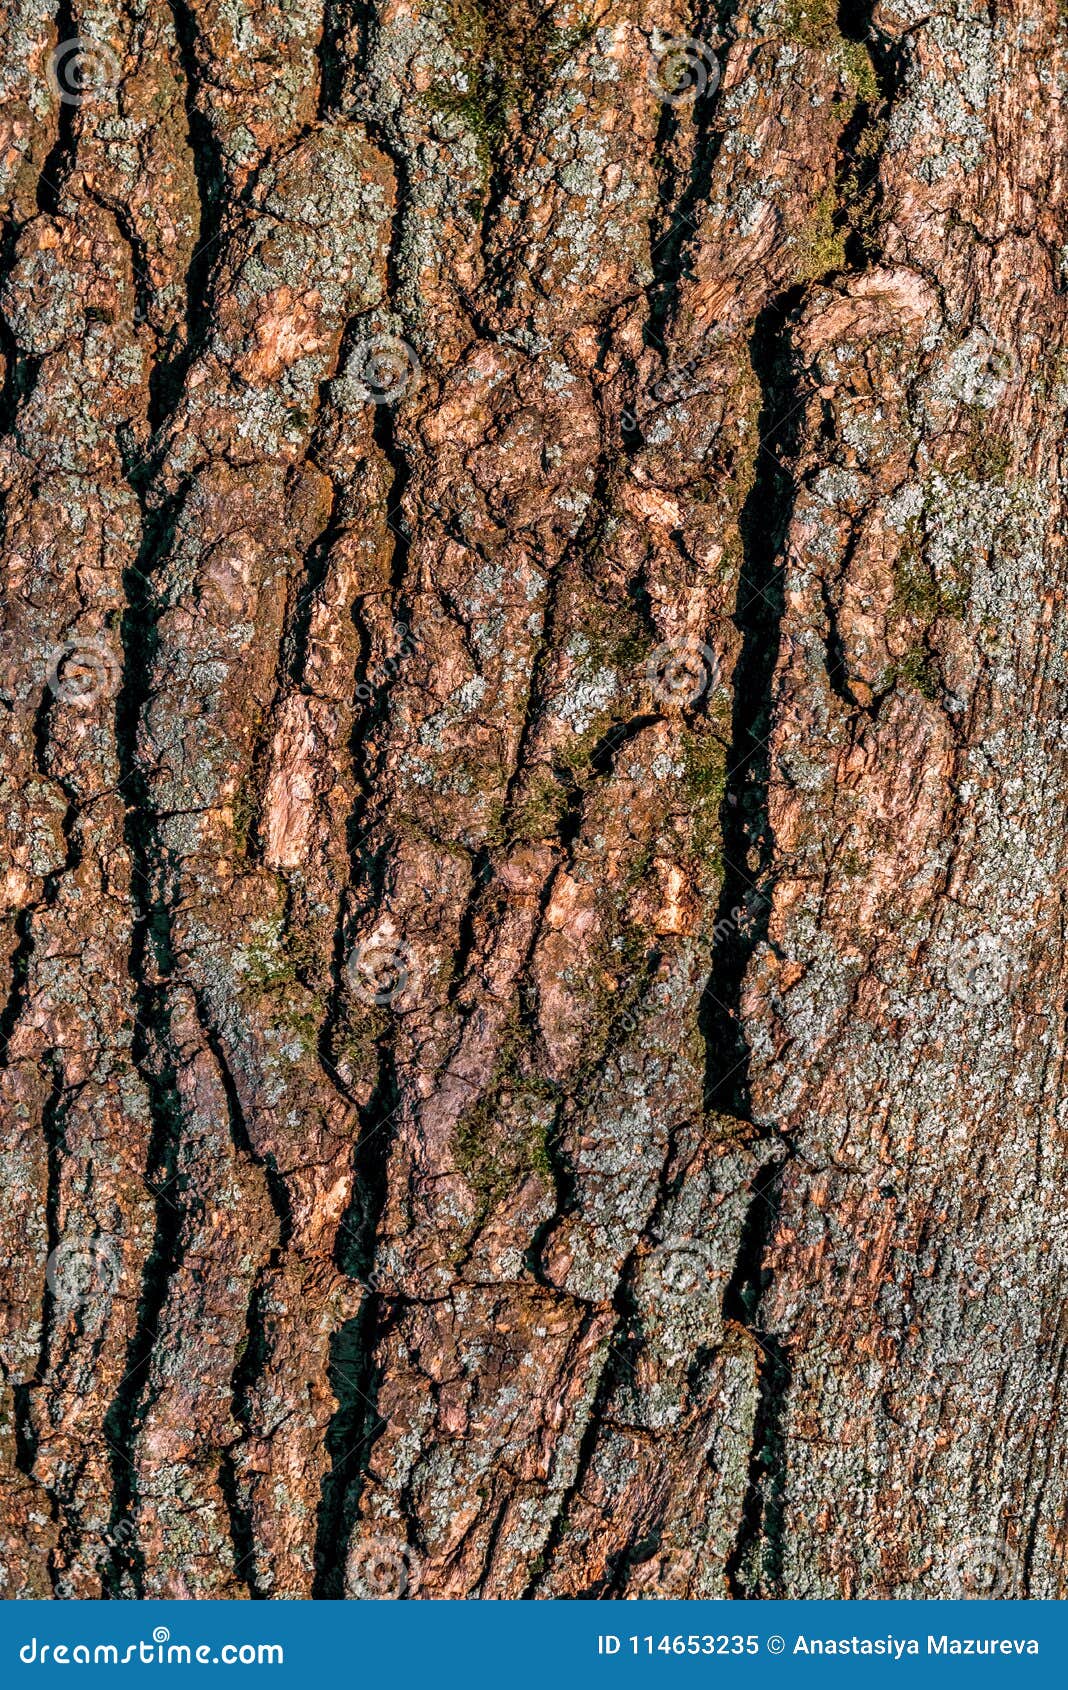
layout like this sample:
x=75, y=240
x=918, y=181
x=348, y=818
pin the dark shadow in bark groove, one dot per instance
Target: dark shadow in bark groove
x=748, y=848
x=168, y=376
x=126, y=1413
x=297, y=639
x=25, y=1436
x=19, y=368
x=624, y=1348
x=860, y=147
x=755, y=1565
x=467, y=935
x=57, y=164
x=139, y=257
x=565, y=1184
x=669, y=247
x=27, y=1442
x=16, y=384
x=18, y=378
x=53, y=1132
x=352, y=1431
x=744, y=814
x=626, y=1311
x=367, y=866
x=356, y=1422
x=19, y=966
x=374, y=714
x=254, y=1358
x=150, y=965
x=340, y=17
x=353, y=1375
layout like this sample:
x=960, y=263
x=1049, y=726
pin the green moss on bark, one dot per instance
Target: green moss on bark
x=511, y=51
x=504, y=1137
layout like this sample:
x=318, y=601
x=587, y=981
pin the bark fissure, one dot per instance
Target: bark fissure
x=59, y=160
x=151, y=964
x=754, y=1567
x=680, y=202
x=748, y=847
x=353, y=1374
x=170, y=372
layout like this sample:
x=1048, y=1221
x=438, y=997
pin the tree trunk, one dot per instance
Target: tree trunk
x=532, y=669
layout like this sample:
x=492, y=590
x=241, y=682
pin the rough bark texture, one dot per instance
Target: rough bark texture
x=533, y=655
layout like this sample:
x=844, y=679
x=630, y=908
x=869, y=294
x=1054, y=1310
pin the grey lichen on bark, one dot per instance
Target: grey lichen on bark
x=532, y=656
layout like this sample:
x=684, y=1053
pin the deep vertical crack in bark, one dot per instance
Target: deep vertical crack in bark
x=170, y=371
x=356, y=1422
x=151, y=962
x=59, y=159
x=754, y=1567
x=748, y=845
x=745, y=900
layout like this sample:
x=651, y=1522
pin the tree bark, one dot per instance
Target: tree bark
x=532, y=684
